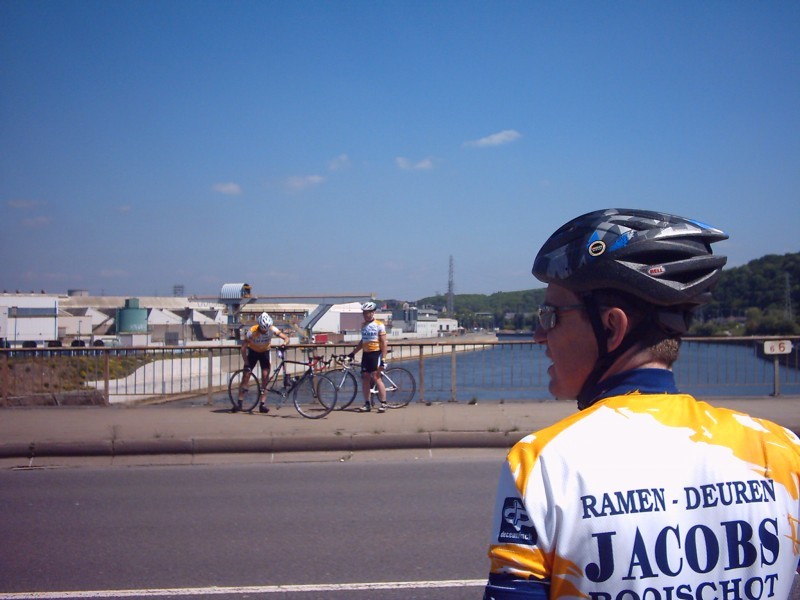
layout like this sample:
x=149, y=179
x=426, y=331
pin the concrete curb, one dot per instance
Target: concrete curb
x=473, y=439
x=157, y=446
x=267, y=444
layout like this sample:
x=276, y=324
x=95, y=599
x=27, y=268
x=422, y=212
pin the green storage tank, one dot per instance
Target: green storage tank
x=131, y=319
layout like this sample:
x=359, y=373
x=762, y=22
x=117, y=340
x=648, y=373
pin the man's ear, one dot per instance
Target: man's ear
x=615, y=323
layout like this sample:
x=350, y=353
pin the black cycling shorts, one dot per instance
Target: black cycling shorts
x=262, y=358
x=370, y=361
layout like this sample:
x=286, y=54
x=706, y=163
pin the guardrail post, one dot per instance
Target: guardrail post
x=421, y=374
x=453, y=374
x=209, y=400
x=776, y=382
x=107, y=376
x=5, y=378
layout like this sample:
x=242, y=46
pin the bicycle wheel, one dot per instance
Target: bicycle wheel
x=251, y=394
x=400, y=387
x=314, y=396
x=346, y=387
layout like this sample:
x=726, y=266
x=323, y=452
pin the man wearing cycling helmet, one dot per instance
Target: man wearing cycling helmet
x=645, y=493
x=255, y=349
x=374, y=345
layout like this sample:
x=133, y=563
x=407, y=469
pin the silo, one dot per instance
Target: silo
x=131, y=319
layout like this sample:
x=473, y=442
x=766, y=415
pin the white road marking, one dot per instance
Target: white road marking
x=253, y=589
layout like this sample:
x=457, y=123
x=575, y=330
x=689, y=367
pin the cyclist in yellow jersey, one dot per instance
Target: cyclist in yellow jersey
x=645, y=493
x=255, y=349
x=374, y=346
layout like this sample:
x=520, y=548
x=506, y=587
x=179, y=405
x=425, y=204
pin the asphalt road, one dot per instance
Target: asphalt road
x=373, y=529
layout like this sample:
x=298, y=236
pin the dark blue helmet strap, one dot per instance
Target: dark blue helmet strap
x=587, y=395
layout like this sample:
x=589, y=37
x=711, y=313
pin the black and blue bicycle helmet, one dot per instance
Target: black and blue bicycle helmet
x=662, y=260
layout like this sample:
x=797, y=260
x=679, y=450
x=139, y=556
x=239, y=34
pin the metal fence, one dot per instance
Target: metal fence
x=446, y=371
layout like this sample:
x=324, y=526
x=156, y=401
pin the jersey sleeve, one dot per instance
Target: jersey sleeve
x=519, y=568
x=515, y=549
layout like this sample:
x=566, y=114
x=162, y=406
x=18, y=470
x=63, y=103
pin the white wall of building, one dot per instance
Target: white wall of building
x=28, y=318
x=134, y=339
x=331, y=321
x=447, y=326
x=218, y=318
x=161, y=316
x=427, y=328
x=77, y=327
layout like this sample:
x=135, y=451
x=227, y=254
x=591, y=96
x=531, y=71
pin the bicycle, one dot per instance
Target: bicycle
x=250, y=394
x=345, y=380
x=313, y=393
x=400, y=387
x=399, y=383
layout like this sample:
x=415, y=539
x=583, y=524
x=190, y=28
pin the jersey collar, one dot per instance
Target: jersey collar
x=642, y=381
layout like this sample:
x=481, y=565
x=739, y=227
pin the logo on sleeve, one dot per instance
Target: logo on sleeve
x=516, y=526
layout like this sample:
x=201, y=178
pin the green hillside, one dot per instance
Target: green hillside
x=504, y=310
x=759, y=298
x=762, y=297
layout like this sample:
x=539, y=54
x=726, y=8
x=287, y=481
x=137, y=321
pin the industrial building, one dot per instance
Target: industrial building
x=80, y=319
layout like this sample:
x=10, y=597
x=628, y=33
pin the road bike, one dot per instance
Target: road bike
x=345, y=377
x=399, y=383
x=312, y=392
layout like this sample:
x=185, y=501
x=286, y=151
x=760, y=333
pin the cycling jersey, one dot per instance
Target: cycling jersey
x=260, y=341
x=370, y=335
x=648, y=496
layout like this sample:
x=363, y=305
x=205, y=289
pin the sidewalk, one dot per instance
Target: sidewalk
x=41, y=432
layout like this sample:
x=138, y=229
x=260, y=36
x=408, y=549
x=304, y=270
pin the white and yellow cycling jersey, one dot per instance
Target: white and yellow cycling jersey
x=370, y=335
x=650, y=497
x=260, y=341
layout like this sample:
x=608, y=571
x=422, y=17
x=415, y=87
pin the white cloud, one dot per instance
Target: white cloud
x=340, y=162
x=496, y=139
x=422, y=165
x=229, y=189
x=298, y=183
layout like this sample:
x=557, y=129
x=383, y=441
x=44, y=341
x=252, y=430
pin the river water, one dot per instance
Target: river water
x=511, y=372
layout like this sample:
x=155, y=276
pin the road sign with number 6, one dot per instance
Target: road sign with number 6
x=777, y=347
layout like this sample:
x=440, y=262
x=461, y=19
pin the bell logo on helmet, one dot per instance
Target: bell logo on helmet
x=656, y=271
x=597, y=248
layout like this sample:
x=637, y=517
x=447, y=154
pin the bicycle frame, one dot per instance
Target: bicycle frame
x=313, y=394
x=399, y=392
x=289, y=385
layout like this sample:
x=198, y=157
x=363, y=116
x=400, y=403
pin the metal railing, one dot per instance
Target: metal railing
x=446, y=371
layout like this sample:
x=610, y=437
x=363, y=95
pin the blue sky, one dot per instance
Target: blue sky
x=312, y=147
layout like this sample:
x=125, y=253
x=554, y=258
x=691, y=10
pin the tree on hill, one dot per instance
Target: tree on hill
x=764, y=294
x=501, y=310
x=759, y=298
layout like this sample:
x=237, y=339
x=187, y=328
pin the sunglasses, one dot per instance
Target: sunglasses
x=548, y=314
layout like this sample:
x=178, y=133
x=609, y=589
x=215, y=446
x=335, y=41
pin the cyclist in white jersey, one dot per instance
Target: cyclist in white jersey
x=645, y=493
x=374, y=347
